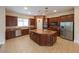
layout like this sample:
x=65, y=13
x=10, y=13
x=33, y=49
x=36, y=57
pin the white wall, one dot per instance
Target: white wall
x=62, y=13
x=76, y=26
x=2, y=25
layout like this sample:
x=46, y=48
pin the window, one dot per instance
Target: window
x=23, y=22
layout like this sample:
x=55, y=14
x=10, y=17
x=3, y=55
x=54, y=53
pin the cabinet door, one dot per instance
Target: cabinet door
x=10, y=34
x=63, y=18
x=67, y=18
x=32, y=22
x=44, y=40
x=11, y=21
x=36, y=37
x=70, y=17
x=55, y=19
x=25, y=31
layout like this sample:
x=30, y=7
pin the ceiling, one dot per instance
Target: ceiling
x=38, y=10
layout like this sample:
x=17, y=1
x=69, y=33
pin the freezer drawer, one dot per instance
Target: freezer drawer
x=69, y=35
x=18, y=32
x=62, y=34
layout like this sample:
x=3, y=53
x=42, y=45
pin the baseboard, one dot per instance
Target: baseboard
x=1, y=43
x=76, y=41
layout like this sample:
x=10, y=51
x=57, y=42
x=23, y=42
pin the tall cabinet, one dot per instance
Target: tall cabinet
x=32, y=23
x=10, y=21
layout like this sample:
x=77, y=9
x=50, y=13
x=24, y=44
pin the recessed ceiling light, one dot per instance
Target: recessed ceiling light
x=54, y=10
x=29, y=12
x=25, y=8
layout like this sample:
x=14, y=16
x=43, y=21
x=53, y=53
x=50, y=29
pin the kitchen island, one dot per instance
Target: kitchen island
x=43, y=37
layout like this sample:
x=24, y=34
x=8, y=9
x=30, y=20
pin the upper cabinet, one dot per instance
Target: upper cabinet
x=32, y=22
x=61, y=18
x=67, y=17
x=55, y=19
x=11, y=21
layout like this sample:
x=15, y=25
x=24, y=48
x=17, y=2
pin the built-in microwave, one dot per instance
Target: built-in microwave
x=54, y=24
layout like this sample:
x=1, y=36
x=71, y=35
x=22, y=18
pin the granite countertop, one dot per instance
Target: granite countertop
x=43, y=31
x=15, y=28
x=11, y=28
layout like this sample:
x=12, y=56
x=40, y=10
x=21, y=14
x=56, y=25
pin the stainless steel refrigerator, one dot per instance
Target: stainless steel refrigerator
x=66, y=30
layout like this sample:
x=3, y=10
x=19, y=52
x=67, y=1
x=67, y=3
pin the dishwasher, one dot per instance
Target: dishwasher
x=18, y=32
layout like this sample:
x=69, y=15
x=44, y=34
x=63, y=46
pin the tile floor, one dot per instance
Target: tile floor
x=25, y=45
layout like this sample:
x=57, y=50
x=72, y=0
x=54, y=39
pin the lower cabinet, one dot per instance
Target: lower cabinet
x=15, y=33
x=10, y=34
x=24, y=31
x=55, y=29
x=35, y=37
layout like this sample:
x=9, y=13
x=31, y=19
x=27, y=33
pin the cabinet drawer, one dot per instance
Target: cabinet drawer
x=25, y=31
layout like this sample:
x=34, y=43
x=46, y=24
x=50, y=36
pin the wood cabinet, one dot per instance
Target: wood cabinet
x=67, y=18
x=59, y=19
x=33, y=22
x=24, y=31
x=10, y=34
x=35, y=37
x=11, y=21
x=55, y=19
x=54, y=28
x=43, y=38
